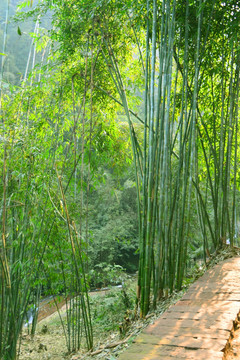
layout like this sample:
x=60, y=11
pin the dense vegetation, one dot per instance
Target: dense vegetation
x=119, y=148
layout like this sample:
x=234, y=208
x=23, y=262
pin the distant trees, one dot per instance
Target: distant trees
x=18, y=43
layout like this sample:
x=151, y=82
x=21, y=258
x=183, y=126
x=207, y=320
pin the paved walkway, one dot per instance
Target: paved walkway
x=197, y=326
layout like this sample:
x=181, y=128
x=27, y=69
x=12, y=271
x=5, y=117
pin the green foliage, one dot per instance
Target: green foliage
x=109, y=310
x=105, y=274
x=113, y=223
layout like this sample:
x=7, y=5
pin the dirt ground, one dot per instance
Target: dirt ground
x=49, y=341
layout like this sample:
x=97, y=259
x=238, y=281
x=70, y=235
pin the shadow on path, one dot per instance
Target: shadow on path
x=198, y=326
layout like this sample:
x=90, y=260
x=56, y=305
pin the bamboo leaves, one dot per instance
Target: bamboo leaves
x=184, y=146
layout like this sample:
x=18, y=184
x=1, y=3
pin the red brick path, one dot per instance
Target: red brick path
x=197, y=326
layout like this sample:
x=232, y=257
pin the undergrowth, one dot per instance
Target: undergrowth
x=109, y=311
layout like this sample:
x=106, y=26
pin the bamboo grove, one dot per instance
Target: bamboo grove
x=183, y=58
